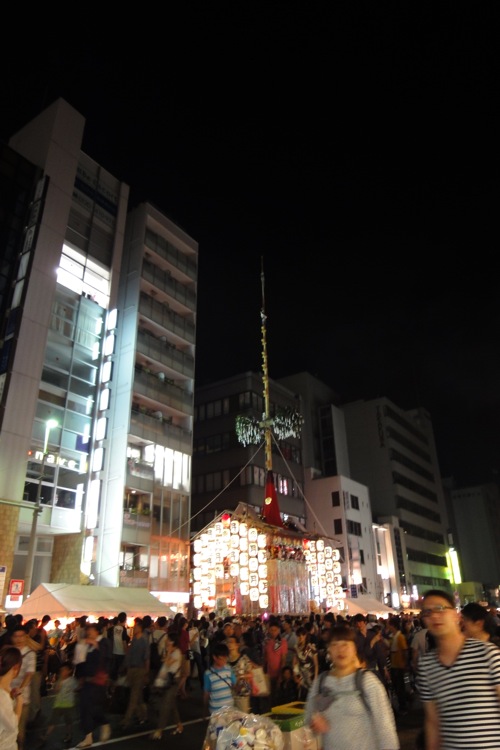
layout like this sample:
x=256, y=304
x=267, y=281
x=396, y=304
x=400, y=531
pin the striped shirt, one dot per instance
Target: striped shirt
x=465, y=695
x=218, y=683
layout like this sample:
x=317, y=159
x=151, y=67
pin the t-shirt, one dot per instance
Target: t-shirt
x=8, y=723
x=65, y=695
x=465, y=694
x=351, y=725
x=274, y=651
x=28, y=664
x=218, y=683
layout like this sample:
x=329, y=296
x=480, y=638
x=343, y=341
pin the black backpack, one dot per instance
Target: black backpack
x=154, y=654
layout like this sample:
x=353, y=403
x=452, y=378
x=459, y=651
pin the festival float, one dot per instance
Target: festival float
x=249, y=564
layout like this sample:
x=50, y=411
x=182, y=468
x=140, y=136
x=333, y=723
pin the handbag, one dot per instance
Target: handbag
x=189, y=654
x=260, y=683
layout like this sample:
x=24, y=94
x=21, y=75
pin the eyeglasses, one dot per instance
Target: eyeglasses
x=433, y=610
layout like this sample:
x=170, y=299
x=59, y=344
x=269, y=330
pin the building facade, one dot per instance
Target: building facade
x=225, y=472
x=392, y=452
x=67, y=397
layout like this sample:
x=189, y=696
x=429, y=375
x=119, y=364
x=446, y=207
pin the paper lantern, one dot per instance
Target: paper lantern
x=254, y=595
x=263, y=601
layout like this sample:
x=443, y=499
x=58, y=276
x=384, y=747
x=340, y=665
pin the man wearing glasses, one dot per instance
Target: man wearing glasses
x=458, y=682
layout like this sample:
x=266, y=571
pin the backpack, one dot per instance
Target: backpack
x=325, y=697
x=154, y=654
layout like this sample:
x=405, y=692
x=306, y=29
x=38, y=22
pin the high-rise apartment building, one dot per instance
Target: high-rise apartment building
x=88, y=443
x=393, y=453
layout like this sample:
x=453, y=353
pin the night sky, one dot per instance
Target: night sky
x=354, y=149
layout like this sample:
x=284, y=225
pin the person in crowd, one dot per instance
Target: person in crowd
x=219, y=680
x=165, y=687
x=55, y=634
x=478, y=623
x=38, y=641
x=186, y=662
x=195, y=647
x=242, y=668
x=366, y=641
x=93, y=677
x=11, y=700
x=336, y=710
x=458, y=681
x=120, y=640
x=275, y=649
x=63, y=708
x=288, y=689
x=68, y=642
x=290, y=636
x=400, y=663
x=305, y=663
x=21, y=683
x=136, y=664
x=422, y=642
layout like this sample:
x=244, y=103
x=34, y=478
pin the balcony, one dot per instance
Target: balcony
x=167, y=319
x=147, y=425
x=163, y=393
x=165, y=354
x=172, y=255
x=165, y=283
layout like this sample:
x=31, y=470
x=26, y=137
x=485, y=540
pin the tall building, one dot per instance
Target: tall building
x=476, y=520
x=393, y=453
x=70, y=437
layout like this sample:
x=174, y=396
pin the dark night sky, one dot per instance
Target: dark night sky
x=355, y=149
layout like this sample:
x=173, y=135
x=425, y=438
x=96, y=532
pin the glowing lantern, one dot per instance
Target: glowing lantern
x=254, y=595
x=243, y=529
x=262, y=541
x=244, y=588
x=243, y=573
x=263, y=601
x=252, y=534
x=253, y=564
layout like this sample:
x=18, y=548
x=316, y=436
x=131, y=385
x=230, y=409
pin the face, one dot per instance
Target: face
x=220, y=661
x=472, y=629
x=440, y=617
x=19, y=639
x=344, y=655
x=274, y=631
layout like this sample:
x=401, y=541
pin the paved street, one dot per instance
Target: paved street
x=194, y=730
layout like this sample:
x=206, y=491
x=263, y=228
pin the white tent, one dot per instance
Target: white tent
x=65, y=600
x=363, y=605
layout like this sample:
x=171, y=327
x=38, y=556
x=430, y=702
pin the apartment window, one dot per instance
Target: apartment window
x=355, y=502
x=336, y=499
x=337, y=526
x=361, y=557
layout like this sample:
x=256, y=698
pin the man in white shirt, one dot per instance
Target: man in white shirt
x=22, y=683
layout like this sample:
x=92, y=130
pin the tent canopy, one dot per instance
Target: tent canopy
x=364, y=605
x=65, y=600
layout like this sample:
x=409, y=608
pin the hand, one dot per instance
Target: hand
x=319, y=724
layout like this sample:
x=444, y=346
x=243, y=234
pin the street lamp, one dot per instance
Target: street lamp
x=28, y=572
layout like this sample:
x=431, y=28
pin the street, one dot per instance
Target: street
x=194, y=729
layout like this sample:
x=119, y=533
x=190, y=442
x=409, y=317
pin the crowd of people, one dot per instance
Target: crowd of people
x=143, y=670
